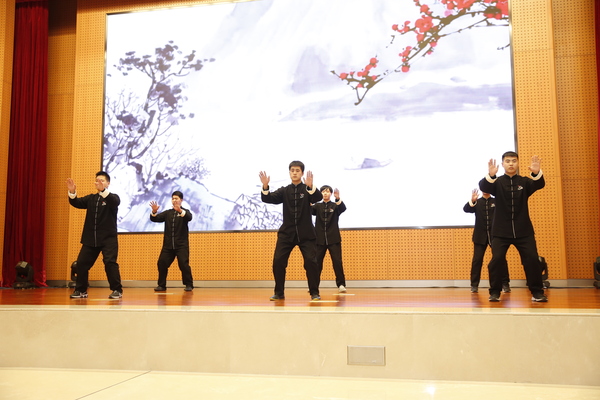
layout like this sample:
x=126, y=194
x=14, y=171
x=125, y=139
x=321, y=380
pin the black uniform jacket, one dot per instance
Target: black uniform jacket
x=326, y=225
x=511, y=219
x=297, y=219
x=176, y=228
x=484, y=215
x=100, y=226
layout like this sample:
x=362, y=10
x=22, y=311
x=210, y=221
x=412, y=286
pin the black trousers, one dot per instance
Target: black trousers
x=477, y=263
x=527, y=249
x=86, y=259
x=335, y=252
x=283, y=249
x=166, y=258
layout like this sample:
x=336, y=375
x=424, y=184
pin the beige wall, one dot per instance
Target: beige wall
x=555, y=88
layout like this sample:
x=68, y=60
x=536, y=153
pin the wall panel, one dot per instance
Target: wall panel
x=555, y=98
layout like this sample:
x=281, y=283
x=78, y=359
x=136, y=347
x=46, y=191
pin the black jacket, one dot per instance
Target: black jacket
x=100, y=226
x=484, y=215
x=176, y=228
x=326, y=225
x=297, y=219
x=511, y=219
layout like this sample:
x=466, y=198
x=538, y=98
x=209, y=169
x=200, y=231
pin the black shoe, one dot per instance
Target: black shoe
x=539, y=298
x=160, y=289
x=505, y=288
x=494, y=297
x=188, y=288
x=474, y=289
x=115, y=295
x=276, y=297
x=315, y=297
x=78, y=295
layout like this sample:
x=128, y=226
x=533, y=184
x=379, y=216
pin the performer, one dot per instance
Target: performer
x=296, y=229
x=99, y=235
x=328, y=233
x=512, y=225
x=483, y=208
x=175, y=243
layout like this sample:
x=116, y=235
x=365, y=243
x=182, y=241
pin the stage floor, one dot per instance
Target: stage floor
x=561, y=300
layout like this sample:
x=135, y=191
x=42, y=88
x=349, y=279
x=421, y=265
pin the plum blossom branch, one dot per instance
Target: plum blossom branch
x=428, y=30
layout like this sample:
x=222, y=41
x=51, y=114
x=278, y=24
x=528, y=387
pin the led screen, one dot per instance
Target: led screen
x=398, y=104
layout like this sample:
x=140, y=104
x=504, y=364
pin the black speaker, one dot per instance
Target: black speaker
x=544, y=266
x=24, y=278
x=597, y=273
x=73, y=275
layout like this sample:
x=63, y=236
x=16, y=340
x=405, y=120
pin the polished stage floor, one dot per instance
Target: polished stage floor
x=569, y=300
x=38, y=383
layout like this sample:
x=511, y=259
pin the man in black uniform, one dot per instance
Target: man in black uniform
x=328, y=233
x=175, y=243
x=483, y=208
x=512, y=225
x=99, y=235
x=297, y=228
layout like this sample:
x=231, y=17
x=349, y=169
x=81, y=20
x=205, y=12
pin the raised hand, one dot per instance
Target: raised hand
x=265, y=179
x=336, y=193
x=536, y=164
x=474, y=196
x=492, y=167
x=308, y=181
x=71, y=186
x=154, y=206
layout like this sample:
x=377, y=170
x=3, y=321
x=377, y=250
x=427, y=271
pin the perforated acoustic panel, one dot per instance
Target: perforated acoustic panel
x=7, y=16
x=576, y=79
x=368, y=254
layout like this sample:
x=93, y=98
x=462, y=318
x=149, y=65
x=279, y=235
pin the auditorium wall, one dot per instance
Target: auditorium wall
x=556, y=116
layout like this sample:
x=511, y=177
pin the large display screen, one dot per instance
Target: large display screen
x=399, y=104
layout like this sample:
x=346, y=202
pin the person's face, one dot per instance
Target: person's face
x=296, y=175
x=326, y=194
x=510, y=165
x=101, y=183
x=176, y=201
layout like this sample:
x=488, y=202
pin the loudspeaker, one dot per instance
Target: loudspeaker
x=597, y=273
x=544, y=265
x=24, y=279
x=73, y=275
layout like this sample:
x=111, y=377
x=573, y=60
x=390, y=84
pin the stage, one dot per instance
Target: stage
x=446, y=334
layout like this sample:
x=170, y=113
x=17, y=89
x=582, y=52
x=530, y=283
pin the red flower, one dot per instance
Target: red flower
x=405, y=68
x=424, y=24
x=343, y=75
x=373, y=61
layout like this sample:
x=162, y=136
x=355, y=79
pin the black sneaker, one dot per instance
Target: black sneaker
x=474, y=289
x=539, y=298
x=115, y=295
x=78, y=295
x=189, y=288
x=494, y=297
x=505, y=288
x=276, y=297
x=160, y=289
x=315, y=297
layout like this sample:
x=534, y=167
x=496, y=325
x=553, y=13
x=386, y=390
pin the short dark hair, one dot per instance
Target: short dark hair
x=102, y=173
x=326, y=187
x=509, y=154
x=297, y=164
x=177, y=193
